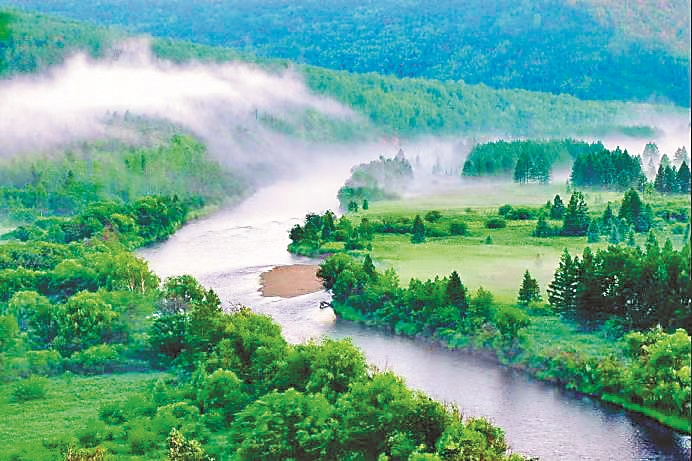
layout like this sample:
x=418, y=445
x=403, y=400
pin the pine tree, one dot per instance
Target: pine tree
x=576, y=220
x=529, y=291
x=368, y=266
x=683, y=179
x=366, y=205
x=607, y=219
x=418, y=230
x=543, y=229
x=561, y=291
x=328, y=226
x=456, y=292
x=593, y=233
x=557, y=211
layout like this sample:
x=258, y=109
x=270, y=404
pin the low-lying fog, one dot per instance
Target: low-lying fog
x=220, y=104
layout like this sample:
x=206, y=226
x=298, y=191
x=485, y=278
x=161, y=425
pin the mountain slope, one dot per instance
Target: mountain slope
x=593, y=49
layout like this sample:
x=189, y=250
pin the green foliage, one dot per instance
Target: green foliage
x=529, y=291
x=635, y=213
x=576, y=220
x=640, y=288
x=84, y=321
x=182, y=449
x=418, y=230
x=626, y=47
x=71, y=183
x=31, y=388
x=496, y=223
x=380, y=179
x=660, y=376
x=616, y=170
x=527, y=161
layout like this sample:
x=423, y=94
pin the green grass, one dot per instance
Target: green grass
x=70, y=402
x=499, y=266
x=676, y=422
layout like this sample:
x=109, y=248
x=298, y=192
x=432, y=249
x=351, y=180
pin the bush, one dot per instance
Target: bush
x=505, y=210
x=45, y=363
x=112, y=413
x=31, y=388
x=458, y=228
x=433, y=216
x=97, y=359
x=496, y=223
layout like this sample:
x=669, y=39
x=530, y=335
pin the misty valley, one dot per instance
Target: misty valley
x=345, y=231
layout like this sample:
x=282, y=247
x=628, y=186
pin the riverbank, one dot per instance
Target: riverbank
x=290, y=281
x=525, y=363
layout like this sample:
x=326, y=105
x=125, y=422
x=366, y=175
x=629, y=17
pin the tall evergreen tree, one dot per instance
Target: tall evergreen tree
x=456, y=292
x=576, y=220
x=529, y=290
x=634, y=212
x=561, y=291
x=557, y=211
x=683, y=178
x=368, y=266
x=607, y=218
x=418, y=230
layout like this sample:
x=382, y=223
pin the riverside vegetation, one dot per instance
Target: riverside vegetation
x=612, y=318
x=185, y=380
x=130, y=367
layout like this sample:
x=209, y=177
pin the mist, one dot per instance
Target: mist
x=220, y=104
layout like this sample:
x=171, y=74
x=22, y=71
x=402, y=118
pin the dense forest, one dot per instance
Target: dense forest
x=401, y=106
x=591, y=49
x=526, y=161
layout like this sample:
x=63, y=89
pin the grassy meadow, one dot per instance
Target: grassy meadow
x=499, y=266
x=69, y=405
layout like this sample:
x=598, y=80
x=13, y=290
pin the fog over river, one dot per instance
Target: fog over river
x=228, y=251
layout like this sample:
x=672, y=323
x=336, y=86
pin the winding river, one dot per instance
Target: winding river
x=228, y=251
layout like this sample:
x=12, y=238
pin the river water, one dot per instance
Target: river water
x=228, y=251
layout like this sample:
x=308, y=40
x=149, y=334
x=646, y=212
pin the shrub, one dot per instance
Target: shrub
x=505, y=210
x=97, y=359
x=31, y=388
x=112, y=413
x=433, y=216
x=496, y=223
x=458, y=228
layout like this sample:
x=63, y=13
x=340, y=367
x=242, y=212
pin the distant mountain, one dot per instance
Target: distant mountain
x=593, y=49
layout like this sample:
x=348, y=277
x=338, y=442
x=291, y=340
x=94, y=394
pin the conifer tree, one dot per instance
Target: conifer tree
x=561, y=291
x=557, y=211
x=683, y=178
x=529, y=291
x=368, y=266
x=418, y=230
x=456, y=292
x=576, y=220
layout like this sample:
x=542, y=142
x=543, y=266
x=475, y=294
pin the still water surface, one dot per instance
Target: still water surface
x=230, y=249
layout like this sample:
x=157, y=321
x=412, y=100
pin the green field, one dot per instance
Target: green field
x=70, y=403
x=498, y=266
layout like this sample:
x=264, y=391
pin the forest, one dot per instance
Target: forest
x=393, y=105
x=636, y=51
x=590, y=292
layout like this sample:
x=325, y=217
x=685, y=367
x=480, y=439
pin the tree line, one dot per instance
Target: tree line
x=525, y=161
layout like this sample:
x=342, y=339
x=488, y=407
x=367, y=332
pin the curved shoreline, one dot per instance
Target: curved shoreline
x=492, y=355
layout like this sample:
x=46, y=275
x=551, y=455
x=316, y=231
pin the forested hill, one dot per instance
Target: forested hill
x=392, y=105
x=593, y=49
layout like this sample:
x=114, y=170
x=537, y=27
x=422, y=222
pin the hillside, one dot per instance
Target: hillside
x=393, y=105
x=593, y=49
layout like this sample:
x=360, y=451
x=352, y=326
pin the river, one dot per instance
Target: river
x=228, y=251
